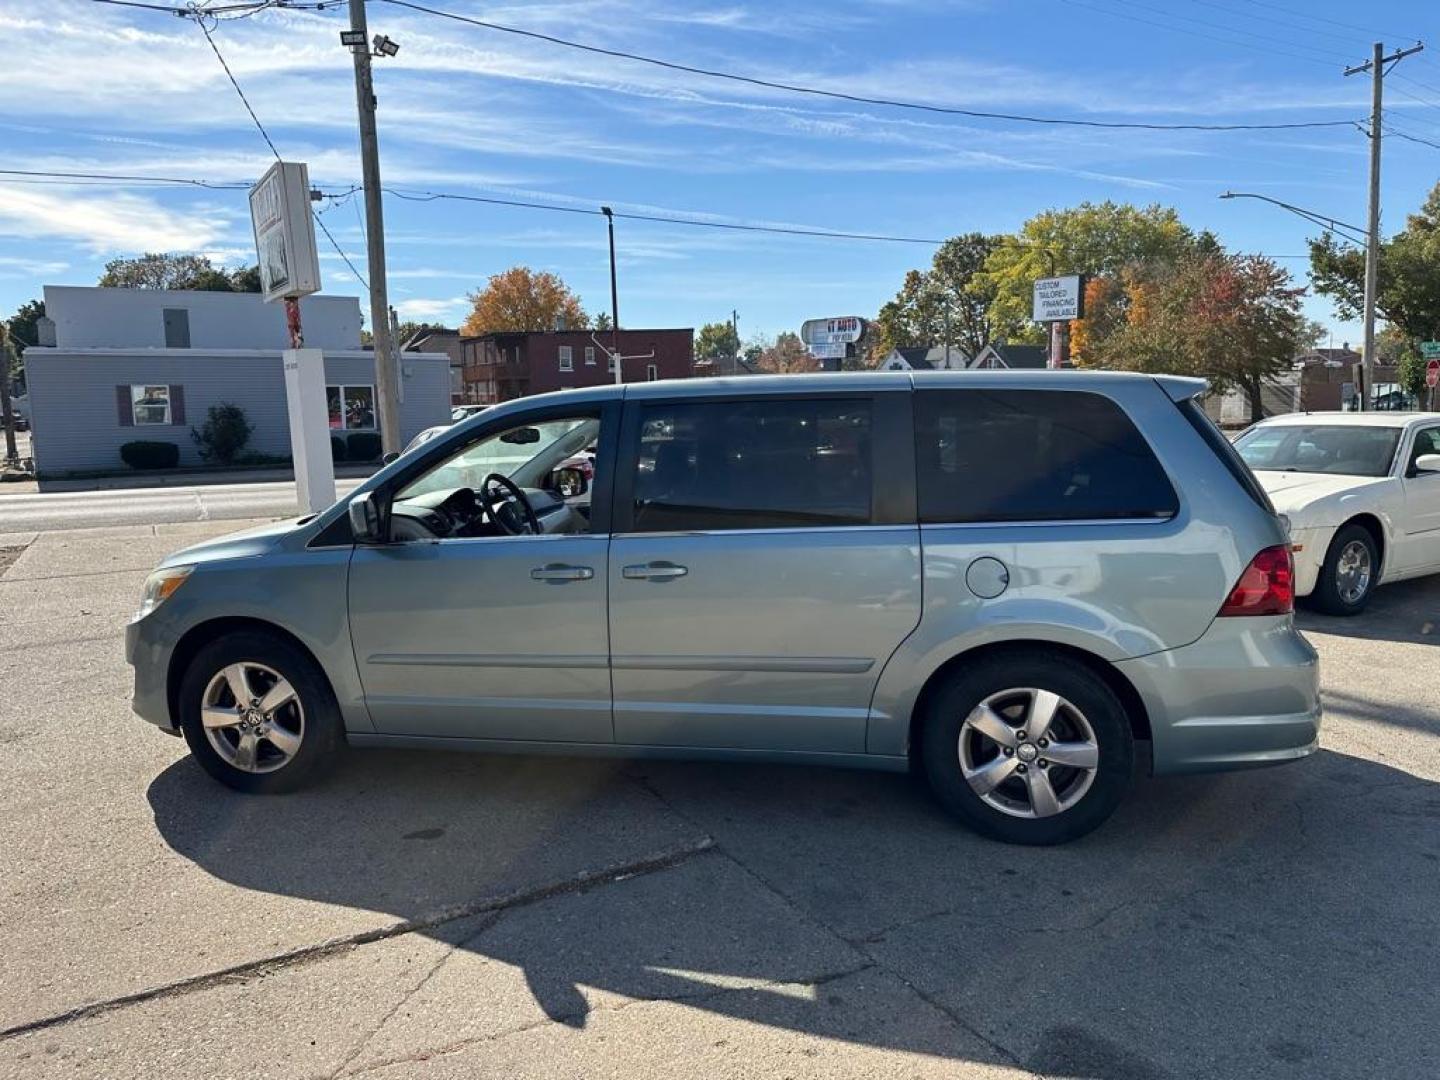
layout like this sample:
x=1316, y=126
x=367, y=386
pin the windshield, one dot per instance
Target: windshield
x=525, y=454
x=1338, y=449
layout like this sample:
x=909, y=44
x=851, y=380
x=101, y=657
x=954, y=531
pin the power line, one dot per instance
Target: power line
x=1390, y=129
x=1268, y=40
x=794, y=88
x=270, y=143
x=1329, y=22
x=130, y=178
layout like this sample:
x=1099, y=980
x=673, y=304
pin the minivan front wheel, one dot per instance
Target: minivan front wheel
x=258, y=713
x=1028, y=748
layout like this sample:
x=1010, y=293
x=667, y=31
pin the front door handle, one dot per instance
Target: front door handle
x=655, y=571
x=562, y=572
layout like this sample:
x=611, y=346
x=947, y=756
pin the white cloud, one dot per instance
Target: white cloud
x=430, y=309
x=104, y=223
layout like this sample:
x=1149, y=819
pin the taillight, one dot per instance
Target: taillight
x=1267, y=587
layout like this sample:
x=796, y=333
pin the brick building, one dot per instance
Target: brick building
x=501, y=366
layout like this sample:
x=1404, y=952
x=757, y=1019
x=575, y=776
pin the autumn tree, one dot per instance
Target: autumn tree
x=521, y=299
x=949, y=295
x=717, y=339
x=1102, y=239
x=787, y=355
x=164, y=270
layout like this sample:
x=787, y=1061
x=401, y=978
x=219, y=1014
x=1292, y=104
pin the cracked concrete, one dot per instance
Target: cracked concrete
x=457, y=916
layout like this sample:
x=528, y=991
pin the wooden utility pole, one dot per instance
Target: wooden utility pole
x=387, y=382
x=1377, y=67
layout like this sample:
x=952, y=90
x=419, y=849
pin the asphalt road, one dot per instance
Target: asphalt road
x=468, y=916
x=150, y=506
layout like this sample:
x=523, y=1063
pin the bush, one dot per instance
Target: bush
x=362, y=446
x=224, y=433
x=142, y=454
x=337, y=448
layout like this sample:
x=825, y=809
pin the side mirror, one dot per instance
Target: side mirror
x=365, y=520
x=388, y=458
x=1427, y=463
x=569, y=482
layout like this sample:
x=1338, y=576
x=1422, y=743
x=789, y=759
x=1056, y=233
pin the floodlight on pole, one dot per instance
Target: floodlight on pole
x=384, y=46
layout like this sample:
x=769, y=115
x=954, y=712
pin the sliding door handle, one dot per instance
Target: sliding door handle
x=562, y=572
x=655, y=571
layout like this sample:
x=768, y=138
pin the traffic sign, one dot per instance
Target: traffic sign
x=1432, y=373
x=1430, y=350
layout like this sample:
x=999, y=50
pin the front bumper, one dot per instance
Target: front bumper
x=1246, y=694
x=1308, y=548
x=147, y=650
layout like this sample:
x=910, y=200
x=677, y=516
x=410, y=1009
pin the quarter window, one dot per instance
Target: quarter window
x=351, y=408
x=1033, y=455
x=150, y=404
x=753, y=465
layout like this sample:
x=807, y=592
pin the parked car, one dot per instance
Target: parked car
x=1362, y=492
x=1016, y=582
x=458, y=413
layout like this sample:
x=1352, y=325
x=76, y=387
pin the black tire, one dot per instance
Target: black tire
x=322, y=734
x=1327, y=595
x=1045, y=670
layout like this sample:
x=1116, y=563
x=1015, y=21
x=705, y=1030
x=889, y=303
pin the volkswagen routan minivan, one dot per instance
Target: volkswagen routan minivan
x=1016, y=583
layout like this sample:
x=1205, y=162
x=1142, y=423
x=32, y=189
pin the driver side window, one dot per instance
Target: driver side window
x=1427, y=441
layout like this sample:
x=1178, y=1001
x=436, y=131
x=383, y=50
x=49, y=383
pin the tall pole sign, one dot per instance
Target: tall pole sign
x=1055, y=302
x=290, y=269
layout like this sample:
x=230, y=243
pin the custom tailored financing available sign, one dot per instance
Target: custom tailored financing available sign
x=285, y=232
x=1059, y=299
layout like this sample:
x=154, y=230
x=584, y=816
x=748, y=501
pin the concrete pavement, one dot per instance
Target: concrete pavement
x=145, y=506
x=450, y=915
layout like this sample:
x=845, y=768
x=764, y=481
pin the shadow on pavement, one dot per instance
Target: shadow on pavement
x=1404, y=611
x=1273, y=923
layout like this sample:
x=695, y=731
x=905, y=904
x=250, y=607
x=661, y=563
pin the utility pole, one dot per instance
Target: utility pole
x=12, y=455
x=387, y=382
x=614, y=296
x=1376, y=65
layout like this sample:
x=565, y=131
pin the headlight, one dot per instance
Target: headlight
x=160, y=586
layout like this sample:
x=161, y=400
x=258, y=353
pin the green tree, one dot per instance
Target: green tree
x=951, y=293
x=1092, y=238
x=716, y=339
x=1408, y=286
x=164, y=270
x=601, y=320
x=22, y=332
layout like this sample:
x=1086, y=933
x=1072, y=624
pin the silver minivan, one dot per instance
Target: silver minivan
x=1017, y=583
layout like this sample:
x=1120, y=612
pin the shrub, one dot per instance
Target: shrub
x=224, y=433
x=362, y=446
x=142, y=454
x=337, y=448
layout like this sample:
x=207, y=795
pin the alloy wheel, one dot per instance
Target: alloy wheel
x=252, y=717
x=1352, y=571
x=1028, y=752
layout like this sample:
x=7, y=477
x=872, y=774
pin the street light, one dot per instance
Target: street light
x=1336, y=226
x=614, y=296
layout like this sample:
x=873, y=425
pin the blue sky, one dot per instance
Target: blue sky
x=93, y=87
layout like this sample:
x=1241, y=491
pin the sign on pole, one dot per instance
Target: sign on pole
x=290, y=269
x=1430, y=350
x=285, y=232
x=1059, y=299
x=829, y=351
x=844, y=330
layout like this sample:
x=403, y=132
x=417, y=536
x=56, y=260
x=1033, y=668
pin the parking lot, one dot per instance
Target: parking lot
x=513, y=917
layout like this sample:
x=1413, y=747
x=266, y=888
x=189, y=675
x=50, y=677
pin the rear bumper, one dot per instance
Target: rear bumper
x=1246, y=694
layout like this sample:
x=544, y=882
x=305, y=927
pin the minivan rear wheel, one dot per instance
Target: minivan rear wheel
x=258, y=713
x=1029, y=748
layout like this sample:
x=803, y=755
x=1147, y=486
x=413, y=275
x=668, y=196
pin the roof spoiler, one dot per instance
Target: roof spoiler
x=1181, y=388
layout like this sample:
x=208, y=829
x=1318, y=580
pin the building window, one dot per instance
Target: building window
x=590, y=354
x=177, y=328
x=567, y=358
x=150, y=404
x=651, y=372
x=352, y=408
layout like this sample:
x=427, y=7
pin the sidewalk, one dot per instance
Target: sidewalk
x=196, y=478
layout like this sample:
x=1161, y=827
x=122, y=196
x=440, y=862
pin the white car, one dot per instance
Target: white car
x=1362, y=492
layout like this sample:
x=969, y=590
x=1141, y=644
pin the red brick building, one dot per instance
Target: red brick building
x=501, y=366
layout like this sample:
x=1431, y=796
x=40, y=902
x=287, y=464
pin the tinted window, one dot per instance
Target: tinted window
x=1345, y=450
x=753, y=465
x=1216, y=440
x=1427, y=441
x=1033, y=455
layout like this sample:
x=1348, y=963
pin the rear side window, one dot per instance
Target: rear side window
x=782, y=463
x=1033, y=455
x=1226, y=452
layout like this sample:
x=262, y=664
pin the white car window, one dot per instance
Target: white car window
x=1336, y=449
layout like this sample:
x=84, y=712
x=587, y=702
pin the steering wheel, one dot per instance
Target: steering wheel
x=513, y=497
